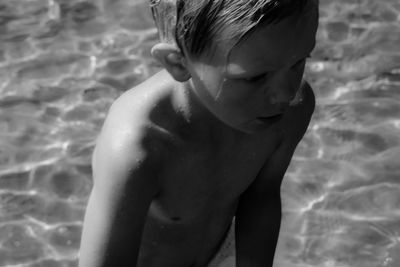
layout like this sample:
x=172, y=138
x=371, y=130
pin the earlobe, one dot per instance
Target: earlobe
x=172, y=60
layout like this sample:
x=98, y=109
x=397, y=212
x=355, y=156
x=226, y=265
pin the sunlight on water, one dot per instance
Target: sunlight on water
x=62, y=63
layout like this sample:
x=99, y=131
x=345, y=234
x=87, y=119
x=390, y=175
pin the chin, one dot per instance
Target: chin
x=251, y=129
x=256, y=126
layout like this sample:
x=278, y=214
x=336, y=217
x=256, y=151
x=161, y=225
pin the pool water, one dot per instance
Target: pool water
x=63, y=62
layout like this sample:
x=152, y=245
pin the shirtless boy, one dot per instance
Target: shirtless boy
x=205, y=140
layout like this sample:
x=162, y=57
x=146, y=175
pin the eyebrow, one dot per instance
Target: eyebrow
x=247, y=75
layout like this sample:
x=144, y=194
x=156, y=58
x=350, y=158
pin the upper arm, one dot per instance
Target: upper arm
x=125, y=182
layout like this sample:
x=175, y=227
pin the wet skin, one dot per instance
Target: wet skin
x=176, y=161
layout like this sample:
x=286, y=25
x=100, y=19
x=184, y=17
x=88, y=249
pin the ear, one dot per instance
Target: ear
x=172, y=59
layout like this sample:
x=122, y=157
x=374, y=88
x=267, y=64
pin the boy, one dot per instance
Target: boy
x=205, y=140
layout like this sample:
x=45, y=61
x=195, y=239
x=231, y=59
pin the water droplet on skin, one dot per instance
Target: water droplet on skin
x=221, y=86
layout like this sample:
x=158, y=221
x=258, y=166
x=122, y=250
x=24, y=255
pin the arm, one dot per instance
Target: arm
x=258, y=216
x=124, y=185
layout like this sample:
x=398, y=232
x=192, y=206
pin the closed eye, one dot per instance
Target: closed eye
x=256, y=78
x=262, y=76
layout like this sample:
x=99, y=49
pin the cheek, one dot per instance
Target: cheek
x=210, y=79
x=300, y=73
x=296, y=75
x=240, y=96
x=234, y=90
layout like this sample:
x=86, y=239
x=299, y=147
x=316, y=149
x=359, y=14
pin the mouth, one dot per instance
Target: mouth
x=270, y=119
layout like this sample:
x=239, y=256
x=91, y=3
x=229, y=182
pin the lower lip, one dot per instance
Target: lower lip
x=270, y=120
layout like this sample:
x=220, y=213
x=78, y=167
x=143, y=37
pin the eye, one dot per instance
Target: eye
x=255, y=78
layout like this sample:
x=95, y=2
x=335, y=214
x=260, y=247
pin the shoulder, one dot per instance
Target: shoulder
x=129, y=143
x=131, y=118
x=120, y=153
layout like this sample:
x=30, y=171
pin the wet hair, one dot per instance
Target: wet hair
x=202, y=24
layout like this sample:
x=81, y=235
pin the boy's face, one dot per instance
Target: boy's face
x=249, y=88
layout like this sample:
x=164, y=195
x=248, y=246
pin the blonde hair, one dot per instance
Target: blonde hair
x=200, y=25
x=165, y=16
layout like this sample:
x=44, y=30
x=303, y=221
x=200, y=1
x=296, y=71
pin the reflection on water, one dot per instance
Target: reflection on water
x=63, y=62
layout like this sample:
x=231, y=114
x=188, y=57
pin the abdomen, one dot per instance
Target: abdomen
x=173, y=242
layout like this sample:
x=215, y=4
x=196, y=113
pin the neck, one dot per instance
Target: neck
x=187, y=102
x=196, y=115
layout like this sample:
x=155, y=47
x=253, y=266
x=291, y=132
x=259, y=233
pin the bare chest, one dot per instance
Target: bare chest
x=201, y=179
x=200, y=188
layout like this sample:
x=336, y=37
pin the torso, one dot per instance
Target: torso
x=200, y=185
x=199, y=193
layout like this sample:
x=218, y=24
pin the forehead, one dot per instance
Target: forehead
x=273, y=46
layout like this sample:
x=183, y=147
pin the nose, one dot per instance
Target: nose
x=282, y=88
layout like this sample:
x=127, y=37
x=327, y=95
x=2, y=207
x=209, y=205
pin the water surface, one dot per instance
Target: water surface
x=63, y=62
